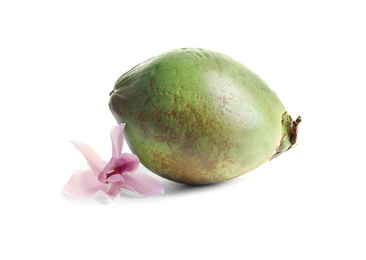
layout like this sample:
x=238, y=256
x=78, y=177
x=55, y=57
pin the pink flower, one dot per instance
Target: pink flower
x=109, y=178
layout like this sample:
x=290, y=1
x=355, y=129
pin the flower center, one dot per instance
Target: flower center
x=116, y=171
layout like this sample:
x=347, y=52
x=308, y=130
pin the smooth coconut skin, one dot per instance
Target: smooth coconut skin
x=198, y=117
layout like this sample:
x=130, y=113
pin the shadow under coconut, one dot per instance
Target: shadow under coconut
x=174, y=188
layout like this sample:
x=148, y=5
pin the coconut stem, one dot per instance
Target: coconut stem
x=294, y=131
x=289, y=134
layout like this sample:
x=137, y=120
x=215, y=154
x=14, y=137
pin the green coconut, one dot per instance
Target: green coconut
x=196, y=116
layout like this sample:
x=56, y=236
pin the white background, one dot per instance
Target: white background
x=58, y=63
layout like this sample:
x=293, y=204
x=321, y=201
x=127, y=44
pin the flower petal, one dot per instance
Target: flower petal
x=111, y=190
x=95, y=162
x=128, y=161
x=82, y=184
x=143, y=184
x=117, y=139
